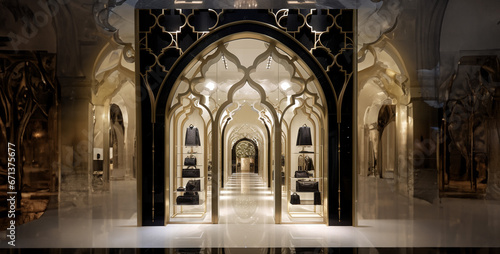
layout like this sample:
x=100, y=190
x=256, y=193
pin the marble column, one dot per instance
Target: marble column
x=102, y=141
x=76, y=142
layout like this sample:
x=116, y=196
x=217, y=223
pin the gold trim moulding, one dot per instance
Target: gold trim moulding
x=179, y=215
x=316, y=215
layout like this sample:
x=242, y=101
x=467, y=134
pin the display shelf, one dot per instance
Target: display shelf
x=301, y=161
x=186, y=209
x=304, y=153
x=177, y=191
x=306, y=202
x=202, y=202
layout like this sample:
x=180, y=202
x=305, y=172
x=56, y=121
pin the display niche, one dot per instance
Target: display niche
x=304, y=163
x=190, y=199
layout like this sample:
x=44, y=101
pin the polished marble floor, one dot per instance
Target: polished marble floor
x=386, y=219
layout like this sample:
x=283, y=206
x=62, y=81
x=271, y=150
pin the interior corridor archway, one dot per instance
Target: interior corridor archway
x=182, y=95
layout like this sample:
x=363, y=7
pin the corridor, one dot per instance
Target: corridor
x=246, y=199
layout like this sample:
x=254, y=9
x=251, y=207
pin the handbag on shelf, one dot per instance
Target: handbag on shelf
x=191, y=193
x=301, y=174
x=191, y=172
x=306, y=186
x=295, y=199
x=189, y=198
x=317, y=198
x=190, y=161
x=181, y=188
x=193, y=185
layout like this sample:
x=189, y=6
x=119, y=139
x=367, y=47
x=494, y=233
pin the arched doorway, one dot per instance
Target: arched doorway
x=387, y=155
x=30, y=100
x=174, y=50
x=114, y=116
x=237, y=90
x=245, y=156
x=117, y=143
x=385, y=123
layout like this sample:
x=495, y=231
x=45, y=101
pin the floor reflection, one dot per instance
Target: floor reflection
x=425, y=250
x=246, y=200
x=386, y=218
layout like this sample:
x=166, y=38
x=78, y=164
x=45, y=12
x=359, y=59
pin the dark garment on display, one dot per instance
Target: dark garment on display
x=305, y=163
x=308, y=163
x=192, y=136
x=304, y=136
x=301, y=163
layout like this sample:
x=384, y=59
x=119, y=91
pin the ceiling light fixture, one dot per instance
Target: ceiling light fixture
x=210, y=85
x=224, y=61
x=269, y=60
x=285, y=85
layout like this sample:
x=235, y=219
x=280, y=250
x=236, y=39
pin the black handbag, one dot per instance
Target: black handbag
x=191, y=172
x=188, y=199
x=306, y=186
x=193, y=185
x=190, y=161
x=301, y=174
x=181, y=188
x=295, y=199
x=317, y=198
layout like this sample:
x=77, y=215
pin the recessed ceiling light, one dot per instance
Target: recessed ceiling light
x=210, y=85
x=285, y=85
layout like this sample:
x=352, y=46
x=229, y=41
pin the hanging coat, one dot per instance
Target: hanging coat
x=304, y=136
x=308, y=163
x=192, y=136
x=301, y=163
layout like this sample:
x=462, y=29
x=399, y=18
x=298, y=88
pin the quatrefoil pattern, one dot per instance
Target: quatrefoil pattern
x=164, y=35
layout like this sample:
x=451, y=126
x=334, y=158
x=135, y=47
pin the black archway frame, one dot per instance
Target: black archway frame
x=153, y=127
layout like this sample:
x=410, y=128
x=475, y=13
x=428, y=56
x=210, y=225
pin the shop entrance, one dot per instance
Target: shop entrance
x=246, y=96
x=193, y=64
